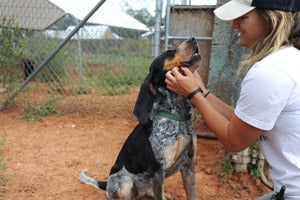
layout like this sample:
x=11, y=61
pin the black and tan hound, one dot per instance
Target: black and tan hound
x=163, y=142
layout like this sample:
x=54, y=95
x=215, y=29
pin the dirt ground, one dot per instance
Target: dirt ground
x=46, y=157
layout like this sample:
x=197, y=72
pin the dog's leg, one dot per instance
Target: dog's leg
x=188, y=174
x=158, y=185
x=188, y=177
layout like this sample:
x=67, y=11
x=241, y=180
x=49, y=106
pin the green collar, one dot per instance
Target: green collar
x=170, y=116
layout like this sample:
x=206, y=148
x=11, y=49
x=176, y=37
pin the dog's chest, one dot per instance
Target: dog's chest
x=171, y=117
x=169, y=139
x=170, y=102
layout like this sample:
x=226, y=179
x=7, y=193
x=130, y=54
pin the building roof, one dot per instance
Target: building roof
x=108, y=14
x=41, y=14
x=86, y=32
x=31, y=14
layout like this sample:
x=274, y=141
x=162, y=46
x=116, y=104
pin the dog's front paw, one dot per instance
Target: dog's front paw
x=168, y=197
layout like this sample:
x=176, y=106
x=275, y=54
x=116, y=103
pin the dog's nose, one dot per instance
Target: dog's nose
x=191, y=39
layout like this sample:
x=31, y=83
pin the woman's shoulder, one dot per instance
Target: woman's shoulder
x=284, y=61
x=284, y=55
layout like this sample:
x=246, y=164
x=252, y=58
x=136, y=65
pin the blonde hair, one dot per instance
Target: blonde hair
x=284, y=31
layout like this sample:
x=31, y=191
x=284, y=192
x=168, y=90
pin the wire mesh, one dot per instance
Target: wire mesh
x=98, y=70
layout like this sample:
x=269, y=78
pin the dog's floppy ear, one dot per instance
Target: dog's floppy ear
x=154, y=79
x=157, y=74
x=144, y=102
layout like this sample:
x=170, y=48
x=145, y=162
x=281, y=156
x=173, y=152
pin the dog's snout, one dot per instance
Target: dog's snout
x=192, y=39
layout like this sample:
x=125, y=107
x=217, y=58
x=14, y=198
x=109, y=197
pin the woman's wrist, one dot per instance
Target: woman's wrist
x=205, y=93
x=192, y=94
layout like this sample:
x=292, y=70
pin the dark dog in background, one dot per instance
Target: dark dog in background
x=163, y=142
x=29, y=66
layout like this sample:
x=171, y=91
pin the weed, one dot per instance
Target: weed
x=227, y=168
x=253, y=165
x=3, y=163
x=34, y=111
x=12, y=47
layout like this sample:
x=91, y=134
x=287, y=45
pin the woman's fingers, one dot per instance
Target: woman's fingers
x=186, y=71
x=172, y=82
x=181, y=81
x=170, y=79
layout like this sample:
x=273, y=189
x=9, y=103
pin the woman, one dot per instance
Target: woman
x=268, y=109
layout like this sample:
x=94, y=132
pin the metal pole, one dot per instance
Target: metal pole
x=202, y=38
x=158, y=13
x=52, y=54
x=79, y=52
x=167, y=24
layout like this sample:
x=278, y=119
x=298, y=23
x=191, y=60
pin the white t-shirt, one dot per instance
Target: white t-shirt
x=270, y=100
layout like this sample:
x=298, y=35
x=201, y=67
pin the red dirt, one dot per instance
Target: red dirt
x=45, y=158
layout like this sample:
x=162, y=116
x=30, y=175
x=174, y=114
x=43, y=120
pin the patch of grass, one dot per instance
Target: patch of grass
x=227, y=168
x=3, y=163
x=37, y=112
x=253, y=166
x=121, y=66
x=84, y=147
x=116, y=82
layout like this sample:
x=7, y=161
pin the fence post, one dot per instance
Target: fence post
x=158, y=13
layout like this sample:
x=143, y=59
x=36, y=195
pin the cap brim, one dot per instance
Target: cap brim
x=232, y=10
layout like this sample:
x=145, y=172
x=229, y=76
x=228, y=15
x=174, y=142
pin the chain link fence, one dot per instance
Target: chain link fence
x=50, y=55
x=90, y=57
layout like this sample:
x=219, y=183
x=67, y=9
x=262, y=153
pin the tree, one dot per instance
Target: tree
x=12, y=45
x=142, y=15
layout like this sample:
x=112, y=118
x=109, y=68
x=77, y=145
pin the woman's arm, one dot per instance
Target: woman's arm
x=234, y=133
x=223, y=108
x=219, y=117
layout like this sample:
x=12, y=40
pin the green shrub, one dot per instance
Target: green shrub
x=227, y=168
x=253, y=167
x=3, y=163
x=54, y=71
x=12, y=46
x=35, y=111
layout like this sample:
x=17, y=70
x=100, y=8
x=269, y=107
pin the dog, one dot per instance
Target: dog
x=29, y=66
x=163, y=142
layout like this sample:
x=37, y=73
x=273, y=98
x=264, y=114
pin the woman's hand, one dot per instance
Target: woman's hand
x=182, y=81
